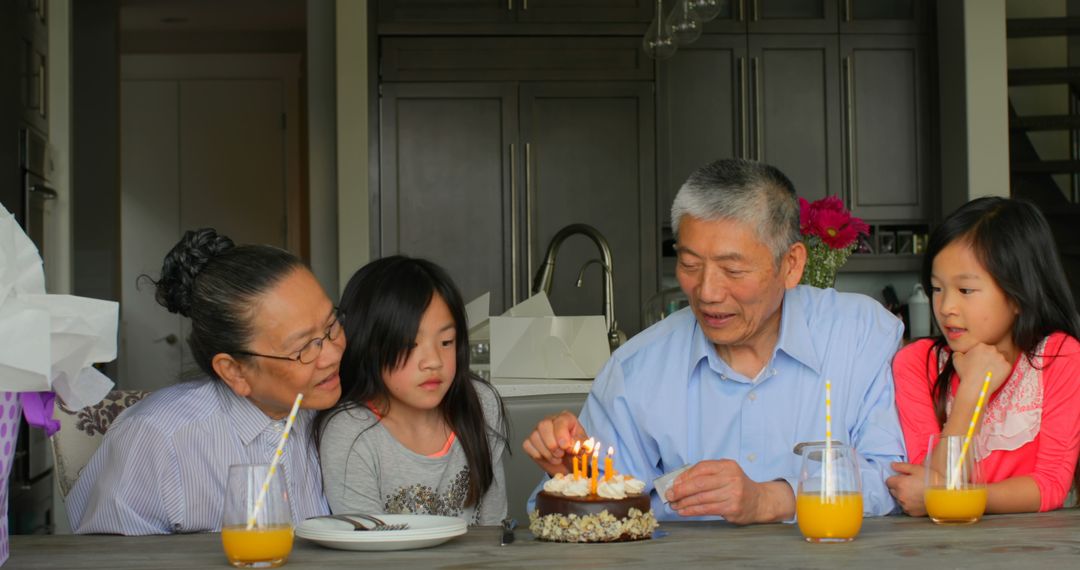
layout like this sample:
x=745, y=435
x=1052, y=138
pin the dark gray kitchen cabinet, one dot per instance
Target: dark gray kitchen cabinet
x=503, y=11
x=887, y=126
x=768, y=97
x=703, y=111
x=775, y=17
x=821, y=17
x=480, y=176
x=884, y=16
x=445, y=188
x=841, y=114
x=795, y=109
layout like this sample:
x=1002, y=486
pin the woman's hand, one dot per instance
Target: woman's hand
x=973, y=365
x=907, y=488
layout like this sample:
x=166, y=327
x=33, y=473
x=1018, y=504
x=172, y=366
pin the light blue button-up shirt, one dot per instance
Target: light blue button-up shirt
x=665, y=399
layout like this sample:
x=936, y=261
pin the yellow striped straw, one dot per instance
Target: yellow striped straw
x=274, y=462
x=970, y=431
x=828, y=437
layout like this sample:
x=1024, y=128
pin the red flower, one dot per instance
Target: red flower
x=830, y=221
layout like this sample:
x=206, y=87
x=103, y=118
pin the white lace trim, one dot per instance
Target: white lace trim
x=1014, y=417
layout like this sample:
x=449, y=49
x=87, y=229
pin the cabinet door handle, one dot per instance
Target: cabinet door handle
x=514, y=270
x=847, y=10
x=740, y=11
x=744, y=127
x=509, y=4
x=849, y=129
x=524, y=4
x=754, y=10
x=759, y=135
x=41, y=86
x=528, y=209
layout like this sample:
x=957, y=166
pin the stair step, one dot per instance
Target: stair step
x=1044, y=76
x=1046, y=167
x=1045, y=123
x=1035, y=27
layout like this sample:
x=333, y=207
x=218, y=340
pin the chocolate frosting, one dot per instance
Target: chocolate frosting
x=547, y=504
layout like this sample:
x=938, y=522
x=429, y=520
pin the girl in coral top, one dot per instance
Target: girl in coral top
x=1003, y=305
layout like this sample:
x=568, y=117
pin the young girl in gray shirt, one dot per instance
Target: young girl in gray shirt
x=414, y=431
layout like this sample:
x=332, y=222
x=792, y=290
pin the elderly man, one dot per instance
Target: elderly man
x=732, y=383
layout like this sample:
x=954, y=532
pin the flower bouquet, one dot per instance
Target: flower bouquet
x=829, y=232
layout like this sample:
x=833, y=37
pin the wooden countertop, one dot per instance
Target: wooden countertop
x=1045, y=540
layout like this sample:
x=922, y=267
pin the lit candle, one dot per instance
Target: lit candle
x=608, y=472
x=577, y=449
x=595, y=460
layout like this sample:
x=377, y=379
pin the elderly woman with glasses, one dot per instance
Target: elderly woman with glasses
x=262, y=331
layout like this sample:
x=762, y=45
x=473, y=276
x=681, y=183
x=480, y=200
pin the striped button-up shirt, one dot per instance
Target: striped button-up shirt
x=163, y=464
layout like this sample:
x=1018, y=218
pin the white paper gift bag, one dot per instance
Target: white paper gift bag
x=548, y=347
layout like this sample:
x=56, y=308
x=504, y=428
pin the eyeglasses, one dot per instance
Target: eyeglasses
x=313, y=348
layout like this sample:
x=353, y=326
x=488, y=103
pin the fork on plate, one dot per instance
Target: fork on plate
x=379, y=523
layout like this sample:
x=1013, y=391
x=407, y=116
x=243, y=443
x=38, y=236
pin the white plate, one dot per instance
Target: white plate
x=424, y=531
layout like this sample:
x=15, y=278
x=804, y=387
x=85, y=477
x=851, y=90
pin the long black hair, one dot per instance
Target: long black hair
x=1012, y=241
x=215, y=283
x=385, y=301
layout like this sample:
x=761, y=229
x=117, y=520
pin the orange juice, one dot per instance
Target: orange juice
x=837, y=518
x=955, y=505
x=268, y=544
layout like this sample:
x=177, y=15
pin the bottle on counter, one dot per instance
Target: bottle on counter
x=918, y=313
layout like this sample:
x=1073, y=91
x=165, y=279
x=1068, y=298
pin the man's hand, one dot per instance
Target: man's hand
x=553, y=437
x=907, y=488
x=720, y=487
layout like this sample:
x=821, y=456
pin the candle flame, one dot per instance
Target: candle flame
x=596, y=452
x=611, y=451
x=577, y=447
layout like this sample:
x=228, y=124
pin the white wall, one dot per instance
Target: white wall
x=987, y=98
x=353, y=205
x=973, y=95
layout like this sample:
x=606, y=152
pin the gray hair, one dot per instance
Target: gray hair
x=754, y=193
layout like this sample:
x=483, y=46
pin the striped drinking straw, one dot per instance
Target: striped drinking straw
x=274, y=462
x=953, y=482
x=828, y=439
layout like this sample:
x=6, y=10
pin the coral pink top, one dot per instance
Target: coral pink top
x=1031, y=425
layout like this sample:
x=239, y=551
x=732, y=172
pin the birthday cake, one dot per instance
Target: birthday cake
x=588, y=506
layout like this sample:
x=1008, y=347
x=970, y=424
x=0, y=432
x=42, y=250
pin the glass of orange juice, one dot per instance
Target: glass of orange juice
x=269, y=541
x=955, y=491
x=828, y=505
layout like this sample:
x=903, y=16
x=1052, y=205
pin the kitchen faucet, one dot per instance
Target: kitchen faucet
x=542, y=281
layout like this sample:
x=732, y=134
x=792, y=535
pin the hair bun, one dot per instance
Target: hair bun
x=183, y=264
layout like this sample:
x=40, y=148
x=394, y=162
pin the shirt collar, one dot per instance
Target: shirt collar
x=794, y=339
x=795, y=334
x=248, y=420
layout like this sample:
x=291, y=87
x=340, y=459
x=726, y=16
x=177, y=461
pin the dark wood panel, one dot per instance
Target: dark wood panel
x=793, y=16
x=564, y=11
x=885, y=16
x=796, y=106
x=887, y=138
x=448, y=11
x=502, y=11
x=480, y=59
x=591, y=156
x=703, y=111
x=445, y=188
